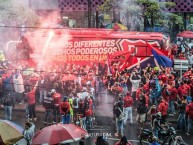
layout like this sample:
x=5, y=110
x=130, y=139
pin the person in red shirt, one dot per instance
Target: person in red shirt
x=191, y=75
x=174, y=93
x=191, y=87
x=163, y=77
x=171, y=79
x=187, y=74
x=186, y=91
x=146, y=86
x=182, y=56
x=65, y=111
x=128, y=103
x=166, y=91
x=189, y=112
x=163, y=108
x=56, y=112
x=30, y=97
x=172, y=99
x=181, y=91
x=146, y=98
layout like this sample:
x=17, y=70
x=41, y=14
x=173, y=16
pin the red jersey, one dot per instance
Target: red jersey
x=186, y=74
x=180, y=92
x=90, y=103
x=173, y=95
x=30, y=96
x=191, y=76
x=189, y=110
x=128, y=101
x=166, y=94
x=163, y=107
x=163, y=77
x=64, y=108
x=119, y=89
x=191, y=88
x=171, y=80
x=138, y=93
x=88, y=112
x=186, y=90
x=146, y=87
x=57, y=98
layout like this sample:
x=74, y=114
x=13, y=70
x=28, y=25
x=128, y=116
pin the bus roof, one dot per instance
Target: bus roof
x=104, y=33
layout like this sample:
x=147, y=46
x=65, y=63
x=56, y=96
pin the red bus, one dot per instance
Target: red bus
x=85, y=45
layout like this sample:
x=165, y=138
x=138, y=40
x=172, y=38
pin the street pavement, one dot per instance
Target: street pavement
x=104, y=122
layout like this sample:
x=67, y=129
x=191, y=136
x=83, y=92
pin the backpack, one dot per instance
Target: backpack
x=122, y=116
x=74, y=103
x=8, y=100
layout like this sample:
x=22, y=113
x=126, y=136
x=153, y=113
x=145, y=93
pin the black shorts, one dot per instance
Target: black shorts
x=76, y=110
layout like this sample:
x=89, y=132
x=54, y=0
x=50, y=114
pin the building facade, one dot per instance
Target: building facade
x=185, y=9
x=80, y=9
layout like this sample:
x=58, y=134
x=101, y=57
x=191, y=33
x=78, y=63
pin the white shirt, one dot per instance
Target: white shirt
x=190, y=59
x=84, y=94
x=135, y=84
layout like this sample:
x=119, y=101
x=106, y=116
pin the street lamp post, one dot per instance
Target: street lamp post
x=97, y=19
x=89, y=13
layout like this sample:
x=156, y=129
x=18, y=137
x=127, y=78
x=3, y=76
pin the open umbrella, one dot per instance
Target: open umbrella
x=59, y=133
x=186, y=34
x=104, y=17
x=10, y=132
x=116, y=26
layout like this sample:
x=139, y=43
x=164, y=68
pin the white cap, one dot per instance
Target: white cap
x=53, y=90
x=88, y=83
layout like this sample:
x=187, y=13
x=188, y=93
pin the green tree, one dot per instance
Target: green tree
x=129, y=7
x=106, y=6
x=16, y=15
x=154, y=11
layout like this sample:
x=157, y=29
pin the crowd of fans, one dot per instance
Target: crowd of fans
x=68, y=93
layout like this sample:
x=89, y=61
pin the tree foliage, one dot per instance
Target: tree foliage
x=152, y=11
x=106, y=6
x=16, y=15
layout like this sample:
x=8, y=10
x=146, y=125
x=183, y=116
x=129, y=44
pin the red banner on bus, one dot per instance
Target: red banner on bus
x=82, y=46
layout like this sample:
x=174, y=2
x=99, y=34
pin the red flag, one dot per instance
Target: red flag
x=161, y=58
x=124, y=64
x=129, y=63
x=117, y=55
